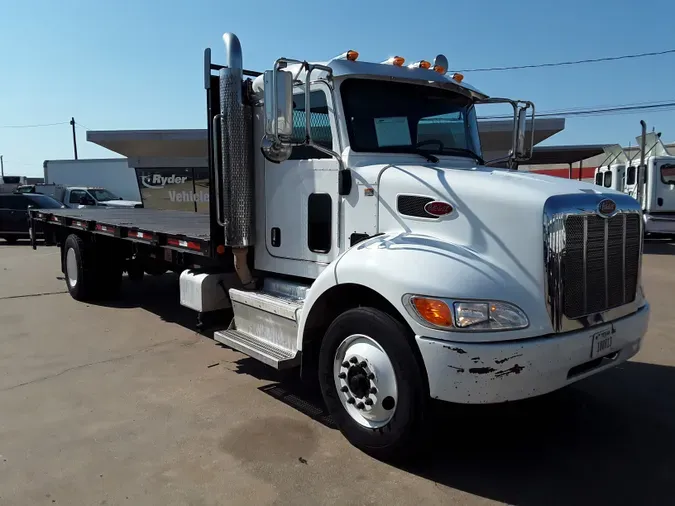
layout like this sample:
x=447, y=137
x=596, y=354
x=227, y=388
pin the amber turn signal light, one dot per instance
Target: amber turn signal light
x=434, y=311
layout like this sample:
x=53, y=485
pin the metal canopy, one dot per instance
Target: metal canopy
x=172, y=147
x=552, y=155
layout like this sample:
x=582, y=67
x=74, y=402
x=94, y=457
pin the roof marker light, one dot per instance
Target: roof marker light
x=422, y=64
x=397, y=61
x=458, y=77
x=439, y=69
x=350, y=55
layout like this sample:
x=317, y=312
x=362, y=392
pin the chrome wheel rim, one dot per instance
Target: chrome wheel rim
x=71, y=267
x=365, y=381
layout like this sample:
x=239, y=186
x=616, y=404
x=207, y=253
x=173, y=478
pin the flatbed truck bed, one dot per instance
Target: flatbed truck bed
x=179, y=230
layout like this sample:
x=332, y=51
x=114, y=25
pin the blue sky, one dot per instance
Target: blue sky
x=138, y=64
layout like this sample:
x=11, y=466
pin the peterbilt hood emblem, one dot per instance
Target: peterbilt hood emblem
x=438, y=208
x=606, y=208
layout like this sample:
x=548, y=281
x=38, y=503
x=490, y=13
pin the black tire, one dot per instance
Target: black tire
x=135, y=271
x=396, y=439
x=98, y=275
x=152, y=269
x=11, y=239
x=85, y=286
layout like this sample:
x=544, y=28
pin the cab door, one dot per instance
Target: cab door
x=301, y=200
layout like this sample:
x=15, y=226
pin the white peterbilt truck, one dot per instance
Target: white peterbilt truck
x=648, y=177
x=357, y=235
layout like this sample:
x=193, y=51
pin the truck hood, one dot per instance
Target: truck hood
x=497, y=215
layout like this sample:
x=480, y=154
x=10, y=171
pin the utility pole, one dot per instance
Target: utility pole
x=2, y=168
x=72, y=124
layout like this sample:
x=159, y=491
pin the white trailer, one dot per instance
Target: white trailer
x=390, y=269
x=113, y=174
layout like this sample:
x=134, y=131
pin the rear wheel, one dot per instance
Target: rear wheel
x=90, y=274
x=78, y=269
x=372, y=383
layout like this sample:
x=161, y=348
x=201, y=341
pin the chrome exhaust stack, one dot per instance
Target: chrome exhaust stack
x=237, y=160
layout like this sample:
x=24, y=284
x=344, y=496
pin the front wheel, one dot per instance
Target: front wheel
x=372, y=383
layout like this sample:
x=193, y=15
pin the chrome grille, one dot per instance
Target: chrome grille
x=592, y=262
x=595, y=275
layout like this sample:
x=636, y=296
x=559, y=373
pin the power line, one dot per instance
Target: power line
x=597, y=111
x=571, y=62
x=34, y=126
x=83, y=126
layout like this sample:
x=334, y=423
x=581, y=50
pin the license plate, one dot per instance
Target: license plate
x=601, y=342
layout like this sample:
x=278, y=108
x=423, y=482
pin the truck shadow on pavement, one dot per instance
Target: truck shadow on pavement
x=158, y=295
x=609, y=439
x=658, y=247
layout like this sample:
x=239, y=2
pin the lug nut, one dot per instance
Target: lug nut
x=351, y=400
x=360, y=405
x=371, y=376
x=342, y=375
x=344, y=389
x=369, y=401
x=363, y=364
x=354, y=360
x=345, y=364
x=373, y=390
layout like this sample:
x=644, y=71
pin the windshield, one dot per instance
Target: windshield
x=44, y=202
x=102, y=195
x=404, y=117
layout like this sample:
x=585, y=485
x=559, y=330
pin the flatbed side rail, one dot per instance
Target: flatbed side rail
x=177, y=242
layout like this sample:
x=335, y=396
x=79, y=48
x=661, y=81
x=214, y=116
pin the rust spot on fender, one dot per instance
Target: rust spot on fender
x=516, y=369
x=481, y=370
x=455, y=349
x=458, y=369
x=508, y=358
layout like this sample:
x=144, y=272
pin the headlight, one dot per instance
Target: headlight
x=465, y=315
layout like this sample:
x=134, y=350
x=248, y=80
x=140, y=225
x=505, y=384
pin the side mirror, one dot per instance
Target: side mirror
x=278, y=107
x=522, y=151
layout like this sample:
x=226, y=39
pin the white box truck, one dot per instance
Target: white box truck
x=387, y=268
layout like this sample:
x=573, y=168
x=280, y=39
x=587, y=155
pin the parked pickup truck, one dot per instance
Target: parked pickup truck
x=79, y=197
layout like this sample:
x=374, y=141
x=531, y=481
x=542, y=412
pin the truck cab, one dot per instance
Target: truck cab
x=385, y=247
x=657, y=195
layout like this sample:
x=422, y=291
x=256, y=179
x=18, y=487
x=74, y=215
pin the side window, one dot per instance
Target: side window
x=17, y=202
x=668, y=173
x=319, y=124
x=75, y=196
x=598, y=178
x=630, y=176
x=608, y=179
x=319, y=222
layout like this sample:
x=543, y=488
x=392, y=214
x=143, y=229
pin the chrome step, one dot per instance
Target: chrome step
x=258, y=348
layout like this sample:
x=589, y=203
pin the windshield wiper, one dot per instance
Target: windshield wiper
x=465, y=151
x=430, y=158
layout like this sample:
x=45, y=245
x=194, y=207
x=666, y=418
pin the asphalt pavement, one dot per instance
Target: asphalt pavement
x=125, y=403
